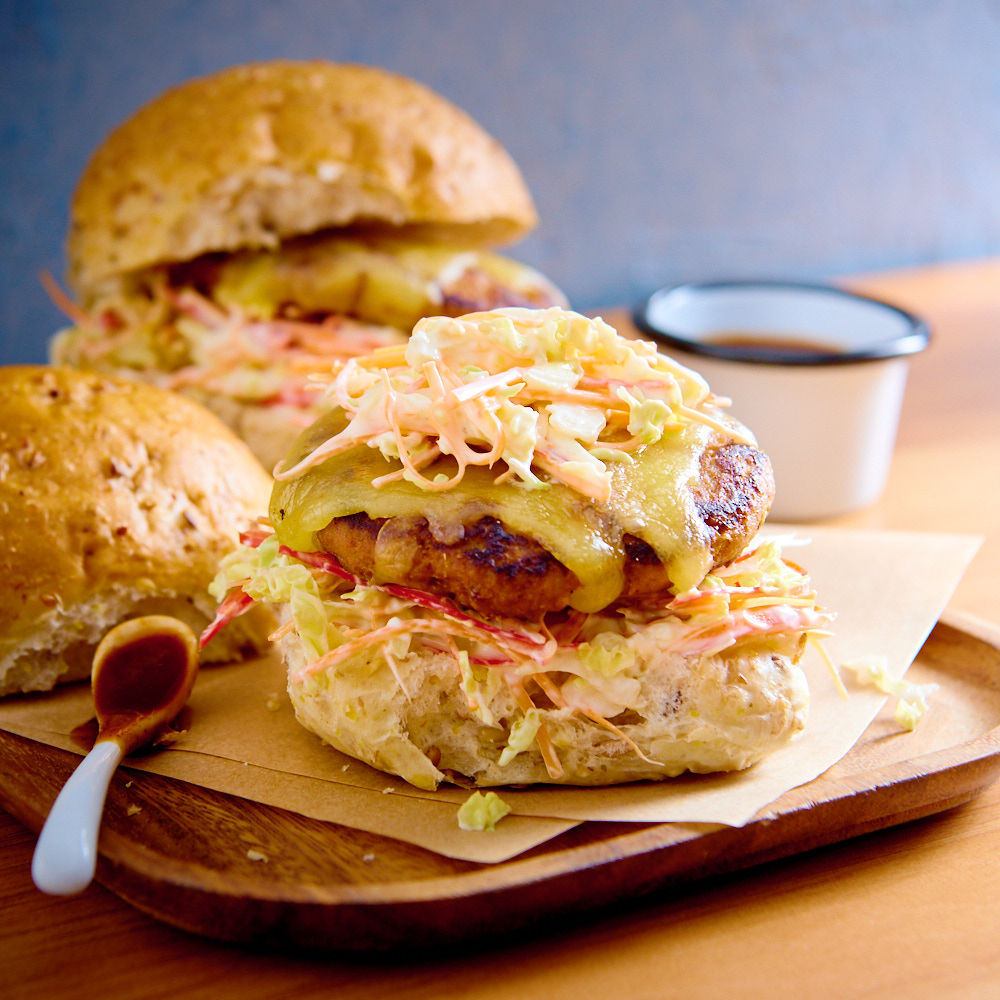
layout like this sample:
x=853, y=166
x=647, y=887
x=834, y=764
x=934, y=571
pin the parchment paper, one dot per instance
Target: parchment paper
x=887, y=589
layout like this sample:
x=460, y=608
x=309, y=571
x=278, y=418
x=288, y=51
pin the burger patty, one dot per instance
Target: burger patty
x=488, y=570
x=476, y=290
x=492, y=571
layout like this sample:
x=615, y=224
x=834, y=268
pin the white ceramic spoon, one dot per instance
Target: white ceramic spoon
x=141, y=678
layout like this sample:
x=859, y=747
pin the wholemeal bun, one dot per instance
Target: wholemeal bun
x=698, y=713
x=117, y=499
x=256, y=154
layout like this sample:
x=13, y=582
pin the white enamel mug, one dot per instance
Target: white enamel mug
x=816, y=372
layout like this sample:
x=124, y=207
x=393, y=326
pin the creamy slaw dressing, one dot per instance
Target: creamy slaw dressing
x=584, y=664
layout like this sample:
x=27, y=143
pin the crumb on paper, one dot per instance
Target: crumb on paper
x=388, y=790
x=133, y=809
x=911, y=705
x=368, y=858
x=273, y=702
x=482, y=812
x=128, y=784
x=257, y=856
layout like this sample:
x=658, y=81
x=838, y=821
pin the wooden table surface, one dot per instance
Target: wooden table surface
x=910, y=911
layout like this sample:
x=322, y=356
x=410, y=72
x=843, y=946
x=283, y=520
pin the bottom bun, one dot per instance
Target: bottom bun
x=60, y=647
x=694, y=713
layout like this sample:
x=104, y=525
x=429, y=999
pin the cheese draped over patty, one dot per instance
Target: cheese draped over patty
x=548, y=421
x=650, y=498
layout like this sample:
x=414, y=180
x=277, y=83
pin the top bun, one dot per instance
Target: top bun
x=257, y=154
x=116, y=499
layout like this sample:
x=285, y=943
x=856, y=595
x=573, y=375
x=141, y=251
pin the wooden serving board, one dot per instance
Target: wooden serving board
x=183, y=858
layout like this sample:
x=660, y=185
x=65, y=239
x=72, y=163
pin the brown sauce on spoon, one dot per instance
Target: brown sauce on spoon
x=143, y=672
x=138, y=678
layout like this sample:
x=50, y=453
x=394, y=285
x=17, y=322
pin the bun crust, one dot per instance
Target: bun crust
x=258, y=153
x=117, y=499
x=693, y=713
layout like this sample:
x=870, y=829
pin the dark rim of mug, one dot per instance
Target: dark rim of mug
x=914, y=340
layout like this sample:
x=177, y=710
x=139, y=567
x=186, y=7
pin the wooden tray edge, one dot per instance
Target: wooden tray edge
x=469, y=904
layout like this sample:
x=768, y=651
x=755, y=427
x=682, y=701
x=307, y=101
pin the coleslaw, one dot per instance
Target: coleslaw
x=587, y=663
x=550, y=394
x=182, y=340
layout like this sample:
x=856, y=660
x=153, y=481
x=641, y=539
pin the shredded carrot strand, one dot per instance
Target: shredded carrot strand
x=542, y=737
x=62, y=301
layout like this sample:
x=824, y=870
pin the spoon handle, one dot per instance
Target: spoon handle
x=66, y=853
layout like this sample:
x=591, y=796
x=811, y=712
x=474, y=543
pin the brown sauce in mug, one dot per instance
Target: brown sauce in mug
x=770, y=346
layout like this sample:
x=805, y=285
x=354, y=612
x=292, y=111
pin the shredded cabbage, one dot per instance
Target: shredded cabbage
x=479, y=685
x=911, y=705
x=482, y=811
x=607, y=654
x=522, y=735
x=271, y=577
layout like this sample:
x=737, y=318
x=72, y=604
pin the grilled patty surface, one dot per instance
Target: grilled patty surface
x=489, y=570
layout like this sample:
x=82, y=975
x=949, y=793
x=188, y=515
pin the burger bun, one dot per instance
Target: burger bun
x=257, y=154
x=118, y=499
x=692, y=713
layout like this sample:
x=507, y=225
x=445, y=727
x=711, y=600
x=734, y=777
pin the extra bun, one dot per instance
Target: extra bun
x=694, y=713
x=117, y=499
x=259, y=153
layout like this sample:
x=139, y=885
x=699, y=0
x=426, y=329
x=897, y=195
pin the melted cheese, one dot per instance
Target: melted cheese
x=376, y=279
x=650, y=498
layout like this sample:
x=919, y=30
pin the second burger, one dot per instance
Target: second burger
x=250, y=227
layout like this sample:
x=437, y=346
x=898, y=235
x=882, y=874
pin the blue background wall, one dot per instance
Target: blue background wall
x=663, y=141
